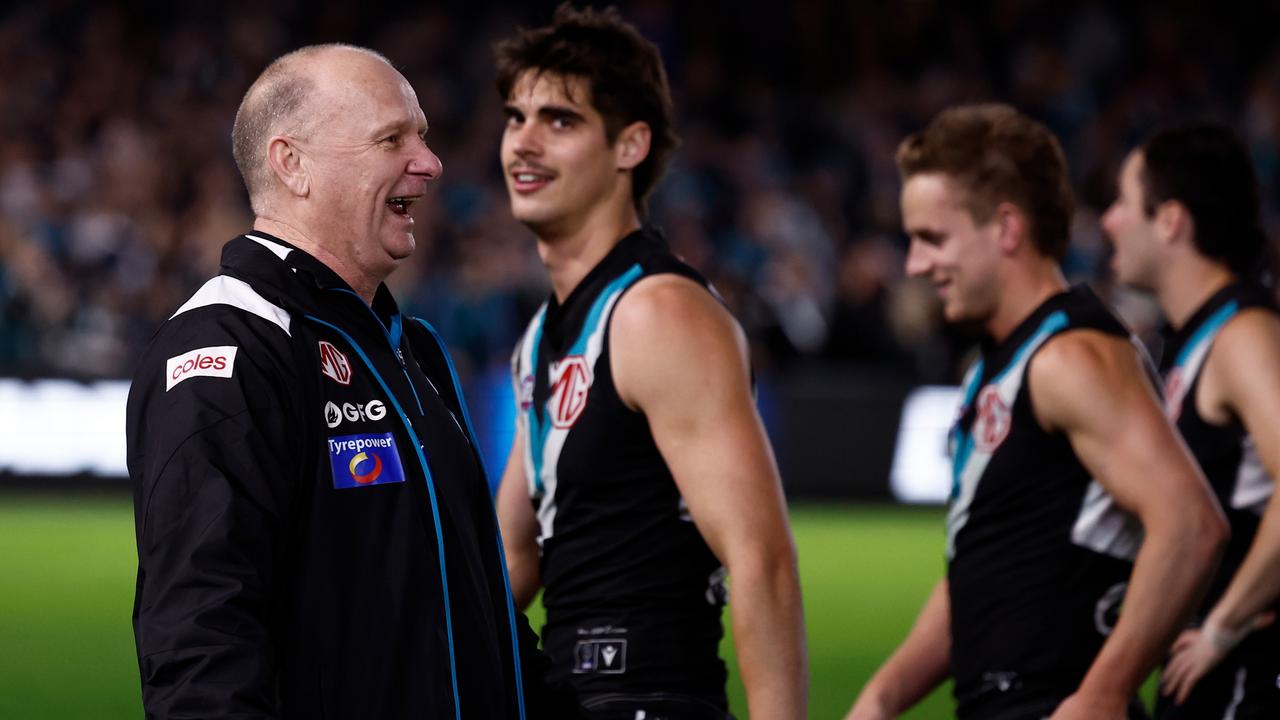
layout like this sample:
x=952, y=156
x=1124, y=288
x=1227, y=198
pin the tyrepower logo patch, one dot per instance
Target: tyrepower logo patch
x=218, y=361
x=334, y=363
x=363, y=460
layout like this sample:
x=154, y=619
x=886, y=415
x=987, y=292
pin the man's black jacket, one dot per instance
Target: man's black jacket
x=316, y=538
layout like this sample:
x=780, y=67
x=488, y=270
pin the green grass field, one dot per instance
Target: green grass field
x=66, y=589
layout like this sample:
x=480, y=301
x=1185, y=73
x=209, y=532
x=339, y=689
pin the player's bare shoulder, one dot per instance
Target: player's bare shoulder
x=669, y=326
x=1078, y=371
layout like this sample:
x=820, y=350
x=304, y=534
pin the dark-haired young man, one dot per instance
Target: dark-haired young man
x=1185, y=227
x=640, y=470
x=1059, y=429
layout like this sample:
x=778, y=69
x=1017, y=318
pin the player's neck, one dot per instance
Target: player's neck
x=570, y=252
x=1185, y=286
x=1022, y=294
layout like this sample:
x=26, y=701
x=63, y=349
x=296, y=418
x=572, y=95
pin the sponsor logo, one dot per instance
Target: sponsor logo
x=1174, y=390
x=570, y=383
x=334, y=363
x=363, y=460
x=526, y=393
x=604, y=656
x=334, y=414
x=994, y=419
x=217, y=361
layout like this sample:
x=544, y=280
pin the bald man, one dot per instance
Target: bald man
x=315, y=533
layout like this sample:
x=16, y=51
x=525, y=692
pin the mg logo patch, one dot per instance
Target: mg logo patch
x=570, y=383
x=334, y=363
x=993, y=421
x=364, y=460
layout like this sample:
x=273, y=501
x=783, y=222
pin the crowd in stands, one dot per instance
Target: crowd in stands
x=117, y=188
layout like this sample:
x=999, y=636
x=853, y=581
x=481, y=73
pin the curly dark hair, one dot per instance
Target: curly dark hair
x=623, y=72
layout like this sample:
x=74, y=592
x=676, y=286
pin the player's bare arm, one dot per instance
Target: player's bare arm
x=722, y=463
x=1239, y=382
x=1094, y=388
x=519, y=527
x=916, y=668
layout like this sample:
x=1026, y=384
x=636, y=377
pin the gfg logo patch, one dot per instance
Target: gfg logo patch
x=363, y=460
x=353, y=412
x=218, y=361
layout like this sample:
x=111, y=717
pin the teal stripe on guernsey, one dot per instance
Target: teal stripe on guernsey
x=431, y=494
x=539, y=427
x=537, y=430
x=964, y=446
x=502, y=555
x=1207, y=330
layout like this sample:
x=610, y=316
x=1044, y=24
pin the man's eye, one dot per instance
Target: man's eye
x=562, y=123
x=391, y=139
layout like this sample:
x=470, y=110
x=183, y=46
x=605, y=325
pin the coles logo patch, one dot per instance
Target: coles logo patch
x=334, y=363
x=570, y=383
x=993, y=421
x=363, y=460
x=217, y=361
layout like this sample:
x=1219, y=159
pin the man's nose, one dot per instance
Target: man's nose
x=918, y=262
x=425, y=162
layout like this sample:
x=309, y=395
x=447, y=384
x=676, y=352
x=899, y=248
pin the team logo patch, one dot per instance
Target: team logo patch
x=606, y=656
x=993, y=421
x=334, y=363
x=217, y=361
x=570, y=383
x=363, y=460
x=334, y=413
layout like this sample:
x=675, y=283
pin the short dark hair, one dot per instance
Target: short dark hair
x=997, y=154
x=622, y=69
x=1204, y=166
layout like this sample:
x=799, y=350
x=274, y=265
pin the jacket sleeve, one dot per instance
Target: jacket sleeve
x=212, y=462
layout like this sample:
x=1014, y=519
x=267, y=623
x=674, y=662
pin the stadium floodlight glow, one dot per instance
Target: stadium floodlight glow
x=63, y=427
x=921, y=471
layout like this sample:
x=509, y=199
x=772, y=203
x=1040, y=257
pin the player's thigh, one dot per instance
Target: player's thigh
x=651, y=706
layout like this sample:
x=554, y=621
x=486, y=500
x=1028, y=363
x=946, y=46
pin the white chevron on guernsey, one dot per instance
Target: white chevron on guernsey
x=226, y=290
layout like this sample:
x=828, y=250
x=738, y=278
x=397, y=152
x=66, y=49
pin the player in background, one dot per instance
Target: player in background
x=1063, y=460
x=1185, y=227
x=640, y=471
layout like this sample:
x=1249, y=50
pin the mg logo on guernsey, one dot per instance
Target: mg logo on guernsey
x=334, y=364
x=364, y=460
x=570, y=383
x=993, y=421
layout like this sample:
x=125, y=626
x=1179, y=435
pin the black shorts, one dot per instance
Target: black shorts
x=1043, y=708
x=1241, y=690
x=651, y=706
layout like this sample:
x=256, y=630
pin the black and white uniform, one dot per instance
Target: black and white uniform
x=1038, y=554
x=316, y=538
x=632, y=592
x=1244, y=685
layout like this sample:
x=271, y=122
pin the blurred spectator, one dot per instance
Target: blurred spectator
x=117, y=188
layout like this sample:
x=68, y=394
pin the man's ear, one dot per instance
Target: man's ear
x=1172, y=221
x=632, y=145
x=287, y=163
x=1012, y=226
